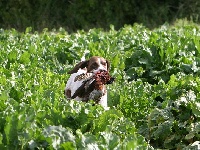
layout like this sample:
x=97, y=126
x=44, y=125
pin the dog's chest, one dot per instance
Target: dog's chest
x=85, y=86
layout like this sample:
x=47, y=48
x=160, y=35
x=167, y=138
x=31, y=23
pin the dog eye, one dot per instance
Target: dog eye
x=103, y=63
x=94, y=65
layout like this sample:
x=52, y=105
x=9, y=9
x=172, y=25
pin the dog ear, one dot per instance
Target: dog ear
x=108, y=65
x=81, y=65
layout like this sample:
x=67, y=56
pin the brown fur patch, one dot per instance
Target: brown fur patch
x=68, y=93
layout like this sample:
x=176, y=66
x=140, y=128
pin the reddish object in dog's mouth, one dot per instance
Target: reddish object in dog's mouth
x=103, y=77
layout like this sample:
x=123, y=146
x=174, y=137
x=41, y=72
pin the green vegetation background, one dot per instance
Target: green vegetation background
x=154, y=102
x=78, y=14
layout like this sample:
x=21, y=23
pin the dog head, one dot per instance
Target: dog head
x=94, y=64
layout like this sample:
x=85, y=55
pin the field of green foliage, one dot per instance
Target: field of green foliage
x=154, y=101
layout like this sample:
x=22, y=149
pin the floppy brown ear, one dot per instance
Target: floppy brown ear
x=81, y=65
x=108, y=65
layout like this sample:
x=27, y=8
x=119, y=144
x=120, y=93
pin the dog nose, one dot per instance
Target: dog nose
x=102, y=69
x=99, y=70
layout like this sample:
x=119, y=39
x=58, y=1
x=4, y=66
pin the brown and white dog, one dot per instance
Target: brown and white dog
x=81, y=77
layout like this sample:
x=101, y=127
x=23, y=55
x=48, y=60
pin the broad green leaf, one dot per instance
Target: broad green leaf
x=116, y=61
x=56, y=135
x=111, y=140
x=12, y=56
x=189, y=136
x=1, y=138
x=196, y=109
x=25, y=58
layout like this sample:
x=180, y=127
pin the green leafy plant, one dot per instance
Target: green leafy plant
x=154, y=101
x=175, y=122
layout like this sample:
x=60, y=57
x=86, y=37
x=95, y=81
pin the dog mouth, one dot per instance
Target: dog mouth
x=93, y=82
x=103, y=77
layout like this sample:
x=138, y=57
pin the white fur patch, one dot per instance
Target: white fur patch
x=73, y=86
